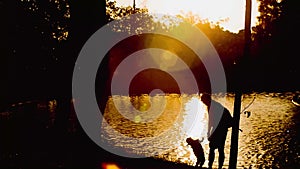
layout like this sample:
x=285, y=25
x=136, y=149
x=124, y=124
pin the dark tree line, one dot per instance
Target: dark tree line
x=43, y=39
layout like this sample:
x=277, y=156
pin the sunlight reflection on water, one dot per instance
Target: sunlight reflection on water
x=267, y=133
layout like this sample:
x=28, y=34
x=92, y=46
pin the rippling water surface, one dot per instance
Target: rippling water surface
x=158, y=126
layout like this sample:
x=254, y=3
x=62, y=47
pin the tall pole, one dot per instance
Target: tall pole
x=238, y=87
x=134, y=5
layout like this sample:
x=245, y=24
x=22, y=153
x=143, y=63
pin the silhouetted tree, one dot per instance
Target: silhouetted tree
x=86, y=17
x=278, y=23
x=7, y=17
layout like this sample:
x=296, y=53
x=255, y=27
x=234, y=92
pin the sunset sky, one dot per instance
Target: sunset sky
x=232, y=12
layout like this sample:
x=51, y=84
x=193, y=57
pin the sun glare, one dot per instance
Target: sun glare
x=195, y=123
x=228, y=13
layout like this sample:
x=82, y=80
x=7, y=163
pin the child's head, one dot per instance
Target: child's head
x=189, y=140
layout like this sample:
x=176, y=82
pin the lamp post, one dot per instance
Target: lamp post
x=238, y=87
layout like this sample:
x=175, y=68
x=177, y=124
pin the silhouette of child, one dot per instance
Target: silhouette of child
x=198, y=151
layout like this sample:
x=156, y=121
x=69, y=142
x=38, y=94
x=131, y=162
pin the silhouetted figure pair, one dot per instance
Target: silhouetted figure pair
x=218, y=125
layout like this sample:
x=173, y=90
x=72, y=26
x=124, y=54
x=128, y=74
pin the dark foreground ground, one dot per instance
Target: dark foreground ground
x=31, y=139
x=40, y=151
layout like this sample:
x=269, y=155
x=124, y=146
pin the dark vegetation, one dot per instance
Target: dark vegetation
x=42, y=40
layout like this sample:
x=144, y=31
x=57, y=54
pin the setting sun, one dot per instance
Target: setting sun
x=229, y=14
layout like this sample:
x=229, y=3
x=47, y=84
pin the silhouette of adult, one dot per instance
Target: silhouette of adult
x=218, y=125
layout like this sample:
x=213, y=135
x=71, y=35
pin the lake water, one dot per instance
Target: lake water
x=158, y=126
x=269, y=137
